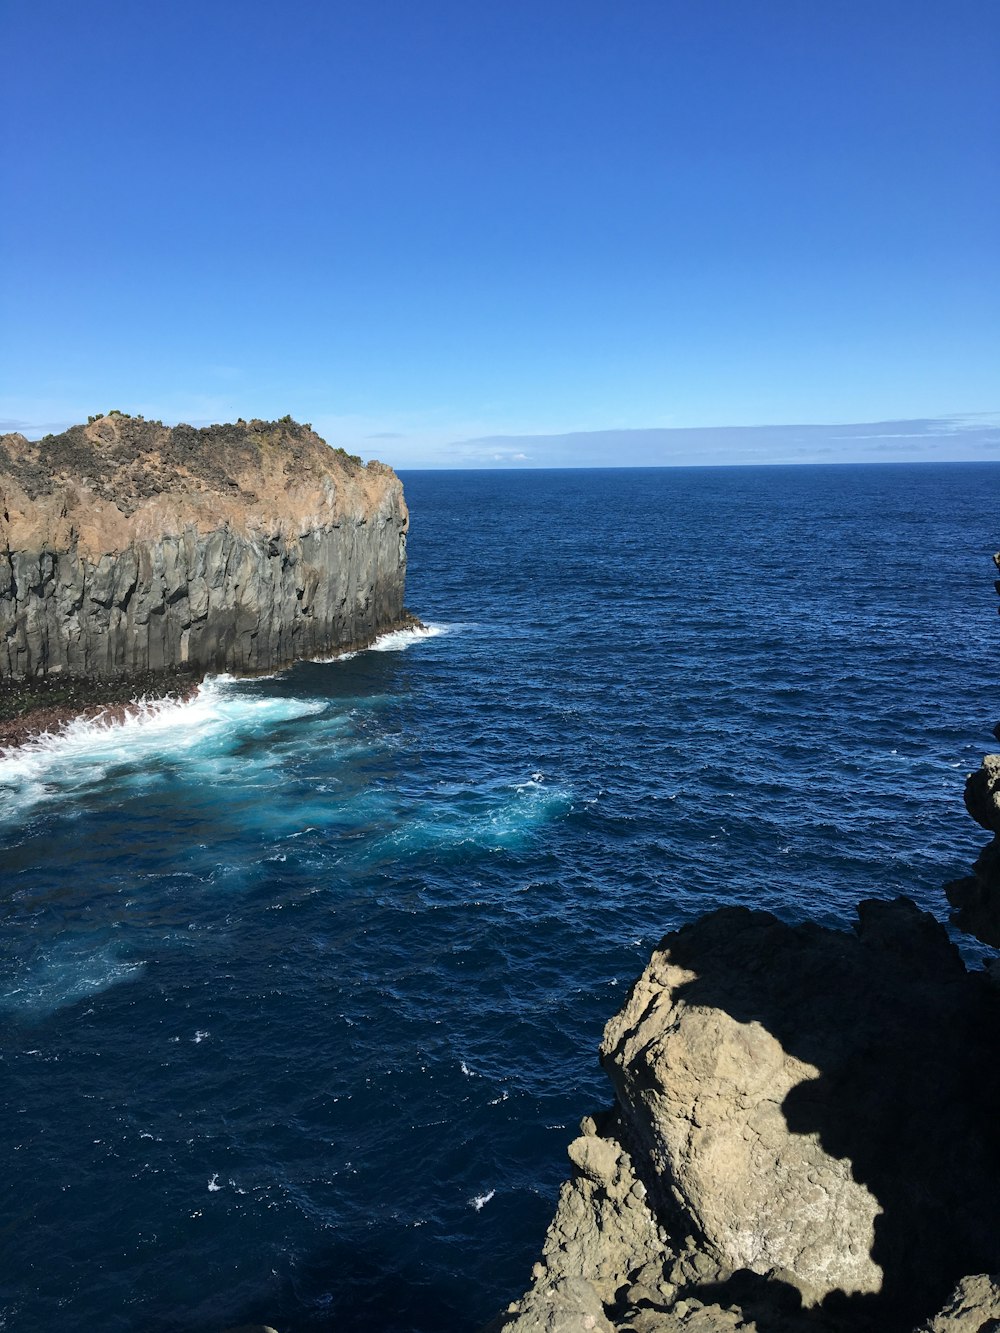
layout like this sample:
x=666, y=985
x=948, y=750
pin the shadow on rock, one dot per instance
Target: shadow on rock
x=819, y=1107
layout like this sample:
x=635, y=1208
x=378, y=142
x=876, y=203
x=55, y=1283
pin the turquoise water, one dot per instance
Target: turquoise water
x=301, y=983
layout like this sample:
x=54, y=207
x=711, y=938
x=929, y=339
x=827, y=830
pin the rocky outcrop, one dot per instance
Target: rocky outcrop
x=973, y=1307
x=800, y=1140
x=127, y=547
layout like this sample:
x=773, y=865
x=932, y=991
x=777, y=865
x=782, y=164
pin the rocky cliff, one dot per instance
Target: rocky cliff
x=127, y=547
x=806, y=1135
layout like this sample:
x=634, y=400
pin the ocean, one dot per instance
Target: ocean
x=302, y=981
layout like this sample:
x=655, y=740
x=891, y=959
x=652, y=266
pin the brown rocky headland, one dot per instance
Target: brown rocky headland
x=136, y=557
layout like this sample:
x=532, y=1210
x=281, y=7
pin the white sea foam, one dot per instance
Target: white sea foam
x=494, y=815
x=204, y=731
x=394, y=641
x=480, y=1201
x=398, y=639
x=89, y=751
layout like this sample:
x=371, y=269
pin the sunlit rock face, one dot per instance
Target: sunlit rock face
x=695, y=1058
x=128, y=547
x=805, y=1136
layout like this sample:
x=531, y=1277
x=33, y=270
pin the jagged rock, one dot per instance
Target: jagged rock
x=127, y=547
x=564, y=1305
x=810, y=1119
x=982, y=794
x=603, y=1229
x=974, y=1307
x=803, y=1103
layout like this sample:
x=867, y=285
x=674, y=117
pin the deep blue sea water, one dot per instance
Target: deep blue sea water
x=301, y=984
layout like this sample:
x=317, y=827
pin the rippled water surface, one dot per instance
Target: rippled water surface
x=301, y=984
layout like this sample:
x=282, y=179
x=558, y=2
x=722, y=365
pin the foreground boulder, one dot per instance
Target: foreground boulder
x=127, y=547
x=806, y=1135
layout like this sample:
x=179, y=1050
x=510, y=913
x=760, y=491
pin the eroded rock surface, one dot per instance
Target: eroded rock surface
x=806, y=1136
x=973, y=1307
x=129, y=547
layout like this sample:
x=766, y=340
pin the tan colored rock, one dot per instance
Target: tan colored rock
x=806, y=1137
x=603, y=1229
x=974, y=1307
x=566, y=1305
x=711, y=1089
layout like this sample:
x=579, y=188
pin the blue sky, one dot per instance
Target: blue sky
x=420, y=223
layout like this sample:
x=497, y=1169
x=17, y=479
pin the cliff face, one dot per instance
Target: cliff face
x=805, y=1139
x=128, y=547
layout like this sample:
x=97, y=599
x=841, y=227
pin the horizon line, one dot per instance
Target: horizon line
x=702, y=467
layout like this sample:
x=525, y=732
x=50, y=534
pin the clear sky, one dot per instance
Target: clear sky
x=417, y=223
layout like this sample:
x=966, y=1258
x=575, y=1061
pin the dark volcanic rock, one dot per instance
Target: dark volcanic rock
x=127, y=547
x=48, y=703
x=807, y=1136
x=976, y=898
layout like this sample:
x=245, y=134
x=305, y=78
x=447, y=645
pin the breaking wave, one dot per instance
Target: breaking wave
x=92, y=753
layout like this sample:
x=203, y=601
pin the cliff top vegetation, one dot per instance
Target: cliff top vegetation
x=125, y=459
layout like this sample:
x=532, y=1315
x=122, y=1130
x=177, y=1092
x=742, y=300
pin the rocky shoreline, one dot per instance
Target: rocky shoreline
x=46, y=705
x=135, y=558
x=805, y=1132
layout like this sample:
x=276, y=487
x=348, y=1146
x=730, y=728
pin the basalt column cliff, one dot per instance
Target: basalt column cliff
x=129, y=548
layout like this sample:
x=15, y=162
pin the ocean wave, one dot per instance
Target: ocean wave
x=492, y=816
x=393, y=641
x=88, y=752
x=398, y=639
